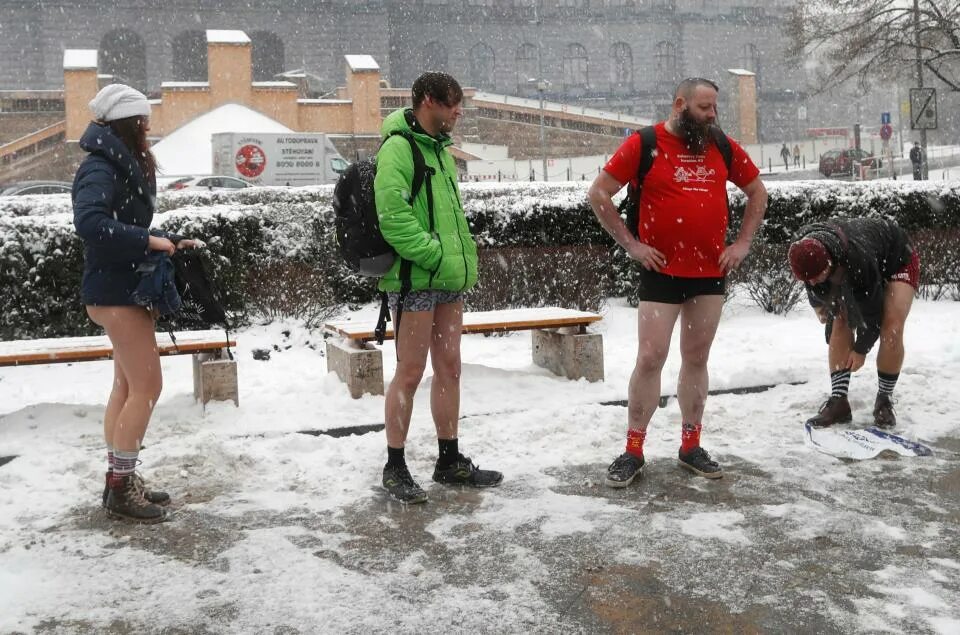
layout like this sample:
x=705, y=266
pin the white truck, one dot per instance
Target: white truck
x=277, y=158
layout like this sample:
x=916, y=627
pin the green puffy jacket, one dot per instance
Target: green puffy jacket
x=445, y=259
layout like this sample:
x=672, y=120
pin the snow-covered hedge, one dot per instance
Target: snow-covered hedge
x=257, y=237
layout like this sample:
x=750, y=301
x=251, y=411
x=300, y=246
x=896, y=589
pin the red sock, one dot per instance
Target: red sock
x=690, y=437
x=635, y=442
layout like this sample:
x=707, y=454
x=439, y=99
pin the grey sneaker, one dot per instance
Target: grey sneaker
x=623, y=470
x=464, y=472
x=401, y=486
x=698, y=461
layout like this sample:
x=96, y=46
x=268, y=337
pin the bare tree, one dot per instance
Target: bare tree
x=871, y=40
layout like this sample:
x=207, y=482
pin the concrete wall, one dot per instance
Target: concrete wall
x=230, y=75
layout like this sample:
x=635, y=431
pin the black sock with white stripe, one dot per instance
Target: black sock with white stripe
x=840, y=383
x=887, y=382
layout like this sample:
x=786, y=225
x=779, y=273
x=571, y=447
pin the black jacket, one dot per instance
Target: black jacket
x=113, y=205
x=916, y=154
x=867, y=252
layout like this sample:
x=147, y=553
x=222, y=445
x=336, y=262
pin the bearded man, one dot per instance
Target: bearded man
x=680, y=241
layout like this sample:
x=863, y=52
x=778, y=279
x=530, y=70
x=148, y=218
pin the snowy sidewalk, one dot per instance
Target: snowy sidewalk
x=285, y=532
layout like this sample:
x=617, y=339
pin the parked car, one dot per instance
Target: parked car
x=208, y=183
x=36, y=187
x=842, y=161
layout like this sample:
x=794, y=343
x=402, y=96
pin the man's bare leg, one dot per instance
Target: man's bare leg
x=699, y=319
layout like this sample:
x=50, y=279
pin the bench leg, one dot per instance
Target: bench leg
x=358, y=364
x=215, y=377
x=571, y=355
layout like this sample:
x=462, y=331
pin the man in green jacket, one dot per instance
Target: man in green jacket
x=437, y=258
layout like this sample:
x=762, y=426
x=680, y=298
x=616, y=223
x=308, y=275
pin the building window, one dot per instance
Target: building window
x=665, y=62
x=190, y=57
x=575, y=68
x=527, y=69
x=621, y=67
x=434, y=57
x=267, y=55
x=123, y=55
x=482, y=64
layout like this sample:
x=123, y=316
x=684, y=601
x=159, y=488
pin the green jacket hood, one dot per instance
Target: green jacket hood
x=397, y=122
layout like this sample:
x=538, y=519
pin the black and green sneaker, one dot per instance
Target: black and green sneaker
x=401, y=486
x=623, y=470
x=464, y=472
x=698, y=461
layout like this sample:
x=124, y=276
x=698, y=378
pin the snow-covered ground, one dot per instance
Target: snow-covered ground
x=285, y=532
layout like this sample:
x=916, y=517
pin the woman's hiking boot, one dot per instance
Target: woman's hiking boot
x=836, y=409
x=154, y=496
x=125, y=501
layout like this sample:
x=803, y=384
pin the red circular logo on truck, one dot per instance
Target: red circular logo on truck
x=250, y=160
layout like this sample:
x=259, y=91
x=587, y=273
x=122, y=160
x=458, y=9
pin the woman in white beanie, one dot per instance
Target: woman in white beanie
x=114, y=195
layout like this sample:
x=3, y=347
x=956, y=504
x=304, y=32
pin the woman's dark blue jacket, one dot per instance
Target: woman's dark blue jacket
x=113, y=205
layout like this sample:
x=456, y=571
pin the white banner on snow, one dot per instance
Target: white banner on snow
x=860, y=444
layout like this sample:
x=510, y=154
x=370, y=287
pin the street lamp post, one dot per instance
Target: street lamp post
x=541, y=87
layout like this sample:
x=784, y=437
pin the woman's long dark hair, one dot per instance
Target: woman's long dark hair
x=133, y=133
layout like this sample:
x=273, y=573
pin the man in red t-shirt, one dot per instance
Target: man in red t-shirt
x=681, y=245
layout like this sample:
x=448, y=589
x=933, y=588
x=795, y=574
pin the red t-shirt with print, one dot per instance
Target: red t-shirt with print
x=683, y=204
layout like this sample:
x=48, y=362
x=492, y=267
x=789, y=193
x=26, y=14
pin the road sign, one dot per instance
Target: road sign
x=923, y=109
x=802, y=113
x=886, y=131
x=884, y=117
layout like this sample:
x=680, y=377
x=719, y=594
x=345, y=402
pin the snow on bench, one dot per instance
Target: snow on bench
x=214, y=376
x=561, y=344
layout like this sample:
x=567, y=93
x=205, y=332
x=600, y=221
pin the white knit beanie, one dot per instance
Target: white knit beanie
x=117, y=101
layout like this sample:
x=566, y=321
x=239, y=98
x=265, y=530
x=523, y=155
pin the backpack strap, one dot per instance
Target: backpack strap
x=419, y=163
x=648, y=143
x=723, y=145
x=631, y=204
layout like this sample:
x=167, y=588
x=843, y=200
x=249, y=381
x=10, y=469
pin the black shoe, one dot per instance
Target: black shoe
x=883, y=414
x=401, y=486
x=624, y=469
x=698, y=461
x=126, y=502
x=464, y=472
x=836, y=409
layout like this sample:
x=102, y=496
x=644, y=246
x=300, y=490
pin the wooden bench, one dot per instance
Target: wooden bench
x=561, y=344
x=214, y=376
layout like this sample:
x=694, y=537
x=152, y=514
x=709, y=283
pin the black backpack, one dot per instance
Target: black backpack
x=200, y=306
x=200, y=297
x=630, y=206
x=359, y=239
